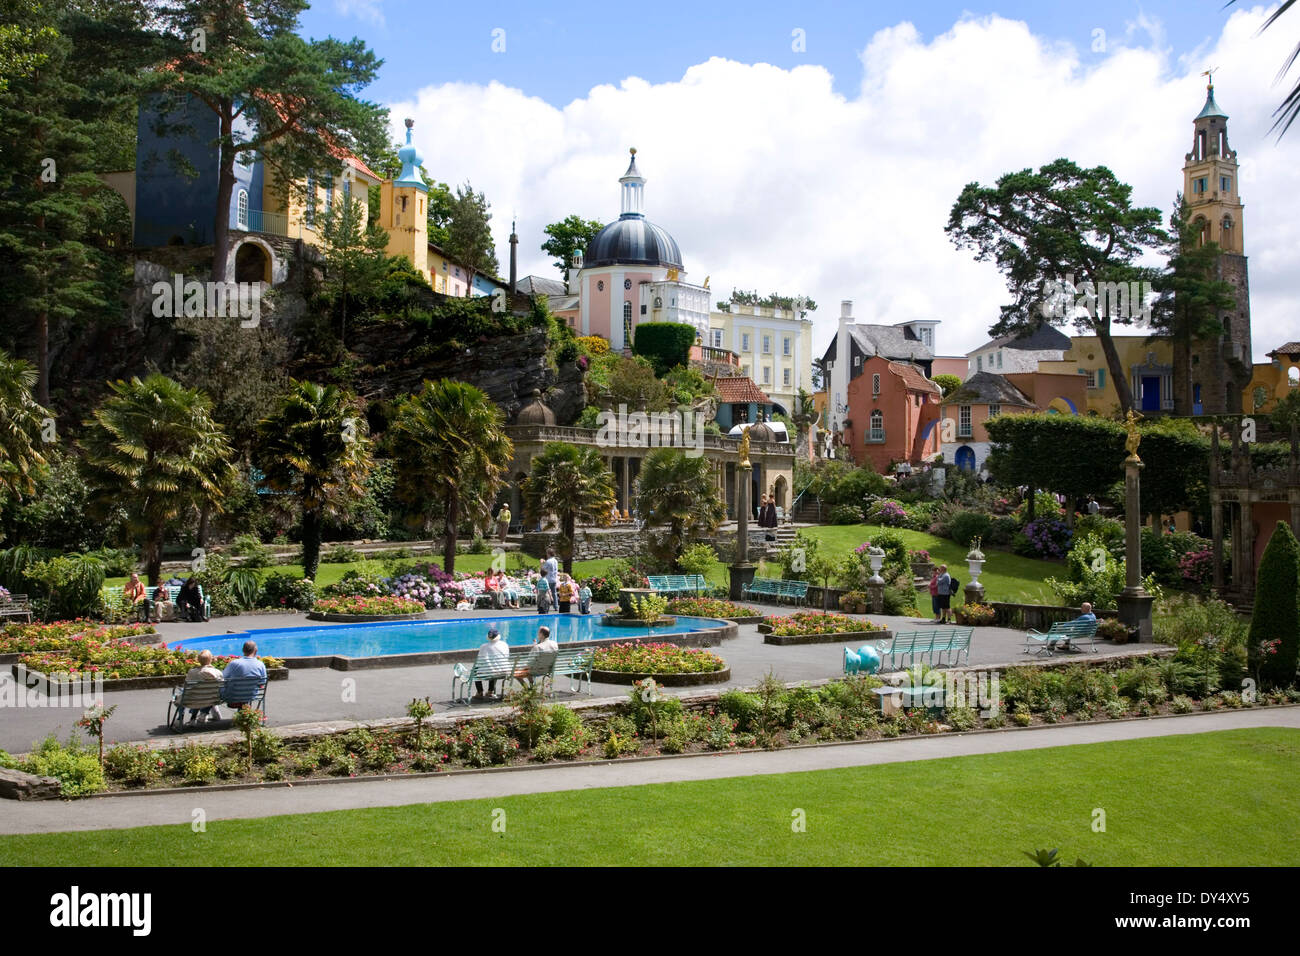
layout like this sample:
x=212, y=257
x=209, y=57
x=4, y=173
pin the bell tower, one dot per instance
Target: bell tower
x=1220, y=369
x=404, y=209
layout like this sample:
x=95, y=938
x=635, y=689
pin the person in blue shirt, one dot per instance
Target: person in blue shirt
x=246, y=666
x=1086, y=614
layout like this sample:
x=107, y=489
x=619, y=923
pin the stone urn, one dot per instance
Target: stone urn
x=922, y=569
x=625, y=596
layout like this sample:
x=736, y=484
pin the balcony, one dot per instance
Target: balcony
x=272, y=223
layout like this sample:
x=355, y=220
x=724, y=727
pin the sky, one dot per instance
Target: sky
x=817, y=148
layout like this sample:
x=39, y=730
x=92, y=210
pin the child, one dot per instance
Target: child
x=565, y=594
x=584, y=599
x=543, y=595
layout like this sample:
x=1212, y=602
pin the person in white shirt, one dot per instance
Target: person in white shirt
x=541, y=656
x=551, y=571
x=494, y=650
x=204, y=671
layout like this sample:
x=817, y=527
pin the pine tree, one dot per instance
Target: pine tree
x=469, y=235
x=355, y=259
x=1277, y=609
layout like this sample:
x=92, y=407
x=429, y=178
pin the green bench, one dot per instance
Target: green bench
x=249, y=691
x=931, y=643
x=779, y=590
x=674, y=584
x=566, y=663
x=115, y=602
x=1062, y=634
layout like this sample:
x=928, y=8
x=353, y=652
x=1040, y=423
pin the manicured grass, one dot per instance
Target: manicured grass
x=1230, y=798
x=1006, y=576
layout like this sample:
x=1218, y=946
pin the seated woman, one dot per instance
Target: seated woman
x=163, y=607
x=134, y=592
x=492, y=584
x=189, y=603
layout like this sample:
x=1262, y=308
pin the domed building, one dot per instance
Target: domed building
x=631, y=273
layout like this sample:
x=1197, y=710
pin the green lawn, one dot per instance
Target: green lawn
x=1228, y=798
x=1006, y=576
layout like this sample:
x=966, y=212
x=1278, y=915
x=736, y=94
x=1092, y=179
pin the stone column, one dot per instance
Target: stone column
x=741, y=571
x=1134, y=601
x=1216, y=535
x=1247, y=579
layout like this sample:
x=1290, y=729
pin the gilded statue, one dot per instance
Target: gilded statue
x=744, y=448
x=1134, y=439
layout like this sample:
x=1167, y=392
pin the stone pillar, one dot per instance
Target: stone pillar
x=741, y=571
x=1216, y=536
x=876, y=595
x=1247, y=578
x=1134, y=601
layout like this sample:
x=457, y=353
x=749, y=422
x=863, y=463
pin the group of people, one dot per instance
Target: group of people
x=247, y=666
x=942, y=587
x=188, y=605
x=535, y=665
x=767, y=511
x=554, y=587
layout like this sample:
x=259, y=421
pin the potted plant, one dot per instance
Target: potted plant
x=921, y=563
x=1113, y=630
x=854, y=602
x=975, y=561
x=876, y=555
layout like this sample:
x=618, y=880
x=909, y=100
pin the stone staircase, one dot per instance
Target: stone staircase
x=784, y=539
x=809, y=510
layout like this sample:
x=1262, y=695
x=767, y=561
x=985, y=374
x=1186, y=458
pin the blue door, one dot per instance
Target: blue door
x=1150, y=393
x=965, y=458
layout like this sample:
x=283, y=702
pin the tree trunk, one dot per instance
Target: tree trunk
x=449, y=535
x=153, y=555
x=1070, y=503
x=1117, y=373
x=43, y=358
x=311, y=532
x=1029, y=511
x=225, y=189
x=205, y=514
x=569, y=529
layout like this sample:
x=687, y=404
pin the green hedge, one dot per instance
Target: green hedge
x=1277, y=609
x=666, y=344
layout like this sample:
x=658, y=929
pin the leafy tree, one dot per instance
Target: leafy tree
x=1049, y=225
x=355, y=257
x=573, y=484
x=1277, y=609
x=23, y=40
x=681, y=492
x=469, y=235
x=21, y=423
x=947, y=383
x=452, y=453
x=272, y=93
x=615, y=380
x=54, y=515
x=314, y=447
x=665, y=344
x=1191, y=296
x=153, y=448
x=569, y=235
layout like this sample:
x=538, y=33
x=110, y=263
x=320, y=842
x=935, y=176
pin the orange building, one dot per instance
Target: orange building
x=890, y=408
x=986, y=394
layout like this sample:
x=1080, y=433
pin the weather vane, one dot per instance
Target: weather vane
x=1210, y=73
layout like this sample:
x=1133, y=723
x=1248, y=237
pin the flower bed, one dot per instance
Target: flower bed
x=711, y=607
x=976, y=615
x=656, y=659
x=373, y=606
x=809, y=623
x=119, y=659
x=58, y=635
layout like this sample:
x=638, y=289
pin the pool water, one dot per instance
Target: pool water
x=410, y=637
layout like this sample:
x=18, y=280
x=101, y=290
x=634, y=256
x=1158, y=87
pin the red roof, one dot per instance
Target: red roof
x=912, y=377
x=739, y=388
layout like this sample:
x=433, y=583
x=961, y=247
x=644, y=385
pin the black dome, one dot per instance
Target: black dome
x=633, y=240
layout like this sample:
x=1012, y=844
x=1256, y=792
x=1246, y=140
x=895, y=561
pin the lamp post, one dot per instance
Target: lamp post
x=1134, y=602
x=741, y=572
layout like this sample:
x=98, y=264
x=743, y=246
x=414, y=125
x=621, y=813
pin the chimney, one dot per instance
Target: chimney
x=514, y=258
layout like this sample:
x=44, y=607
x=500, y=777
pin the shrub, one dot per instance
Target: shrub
x=656, y=659
x=267, y=747
x=965, y=526
x=962, y=718
x=483, y=744
x=708, y=607
x=198, y=763
x=341, y=554
x=1277, y=609
x=741, y=707
x=665, y=344
x=1182, y=704
x=846, y=514
x=697, y=559
x=75, y=767
x=367, y=606
x=289, y=593
x=251, y=549
x=245, y=586
x=134, y=766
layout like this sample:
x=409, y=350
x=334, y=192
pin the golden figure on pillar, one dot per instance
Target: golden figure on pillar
x=1134, y=439
x=744, y=448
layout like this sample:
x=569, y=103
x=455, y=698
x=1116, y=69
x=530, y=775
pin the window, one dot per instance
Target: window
x=1091, y=376
x=744, y=341
x=963, y=421
x=785, y=346
x=785, y=377
x=767, y=375
x=1200, y=185
x=347, y=189
x=767, y=345
x=994, y=409
x=717, y=338
x=328, y=182
x=999, y=360
x=744, y=369
x=979, y=363
x=876, y=432
x=643, y=310
x=857, y=360
x=627, y=324
x=927, y=337
x=241, y=209
x=875, y=383
x=1225, y=184
x=739, y=413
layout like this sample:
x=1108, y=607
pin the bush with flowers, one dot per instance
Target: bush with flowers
x=1043, y=538
x=603, y=587
x=1197, y=568
x=416, y=587
x=709, y=607
x=374, y=605
x=114, y=659
x=288, y=593
x=59, y=635
x=804, y=623
x=357, y=583
x=656, y=659
x=977, y=615
x=888, y=512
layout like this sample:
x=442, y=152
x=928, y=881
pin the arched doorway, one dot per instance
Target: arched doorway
x=965, y=459
x=779, y=489
x=252, y=264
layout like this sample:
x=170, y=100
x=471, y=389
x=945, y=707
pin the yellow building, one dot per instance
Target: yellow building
x=1148, y=366
x=775, y=348
x=1273, y=381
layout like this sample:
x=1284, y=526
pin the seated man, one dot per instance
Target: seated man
x=189, y=602
x=163, y=608
x=494, y=650
x=134, y=592
x=540, y=658
x=1086, y=614
x=247, y=666
x=204, y=671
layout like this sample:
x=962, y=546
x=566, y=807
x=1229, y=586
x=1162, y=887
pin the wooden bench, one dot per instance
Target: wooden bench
x=931, y=643
x=200, y=693
x=1062, y=634
x=18, y=605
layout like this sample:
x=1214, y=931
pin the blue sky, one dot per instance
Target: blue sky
x=830, y=172
x=559, y=51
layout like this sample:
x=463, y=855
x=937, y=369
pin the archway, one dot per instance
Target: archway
x=965, y=459
x=252, y=263
x=779, y=489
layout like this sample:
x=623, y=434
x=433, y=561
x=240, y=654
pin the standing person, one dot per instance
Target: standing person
x=493, y=650
x=934, y=593
x=584, y=599
x=771, y=511
x=551, y=569
x=565, y=594
x=944, y=587
x=503, y=523
x=1093, y=507
x=203, y=671
x=543, y=595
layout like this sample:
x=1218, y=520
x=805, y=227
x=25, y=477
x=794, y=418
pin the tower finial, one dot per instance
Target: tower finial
x=632, y=150
x=1209, y=85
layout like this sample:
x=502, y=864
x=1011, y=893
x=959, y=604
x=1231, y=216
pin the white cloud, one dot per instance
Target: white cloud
x=770, y=179
x=371, y=10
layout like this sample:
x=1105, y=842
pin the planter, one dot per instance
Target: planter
x=141, y=683
x=610, y=620
x=922, y=569
x=663, y=680
x=844, y=637
x=364, y=618
x=625, y=596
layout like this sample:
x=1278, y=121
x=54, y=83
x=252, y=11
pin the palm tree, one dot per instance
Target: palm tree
x=314, y=447
x=680, y=491
x=21, y=423
x=153, y=448
x=1286, y=113
x=573, y=484
x=452, y=453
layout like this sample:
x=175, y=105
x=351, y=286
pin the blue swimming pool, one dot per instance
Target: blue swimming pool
x=413, y=637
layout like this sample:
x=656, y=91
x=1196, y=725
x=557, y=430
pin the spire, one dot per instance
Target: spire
x=633, y=189
x=514, y=257
x=411, y=162
x=1211, y=108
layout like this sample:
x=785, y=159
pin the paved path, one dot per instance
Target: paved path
x=146, y=809
x=322, y=694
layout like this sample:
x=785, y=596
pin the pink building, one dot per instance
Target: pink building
x=891, y=409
